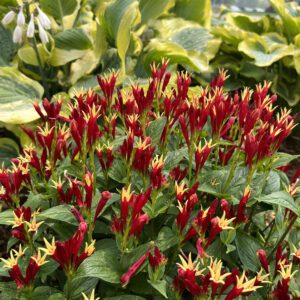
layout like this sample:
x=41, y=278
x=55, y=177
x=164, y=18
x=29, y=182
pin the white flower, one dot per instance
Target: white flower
x=42, y=33
x=30, y=28
x=18, y=34
x=21, y=17
x=44, y=20
x=8, y=18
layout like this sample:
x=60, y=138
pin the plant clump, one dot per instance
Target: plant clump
x=152, y=192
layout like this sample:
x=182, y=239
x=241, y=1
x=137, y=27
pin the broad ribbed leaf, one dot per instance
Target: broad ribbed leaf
x=103, y=264
x=74, y=38
x=152, y=9
x=7, y=47
x=59, y=213
x=280, y=198
x=59, y=8
x=247, y=247
x=265, y=50
x=120, y=17
x=290, y=15
x=194, y=10
x=17, y=92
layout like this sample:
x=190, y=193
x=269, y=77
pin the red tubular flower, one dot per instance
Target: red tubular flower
x=201, y=155
x=178, y=175
x=127, y=146
x=218, y=225
x=242, y=286
x=219, y=80
x=251, y=147
x=199, y=247
x=263, y=259
x=156, y=178
x=143, y=155
x=157, y=260
x=188, y=272
x=281, y=291
x=105, y=196
x=131, y=207
x=241, y=216
x=107, y=86
x=126, y=277
x=67, y=253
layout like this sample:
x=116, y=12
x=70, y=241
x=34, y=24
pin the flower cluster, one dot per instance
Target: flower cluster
x=160, y=184
x=37, y=17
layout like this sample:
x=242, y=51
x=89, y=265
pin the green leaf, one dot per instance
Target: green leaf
x=103, y=264
x=195, y=10
x=152, y=9
x=16, y=95
x=118, y=171
x=59, y=8
x=57, y=296
x=166, y=239
x=8, y=149
x=289, y=13
x=173, y=158
x=160, y=286
x=282, y=159
x=120, y=17
x=6, y=216
x=74, y=38
x=155, y=129
x=247, y=247
x=175, y=53
x=280, y=198
x=7, y=47
x=61, y=57
x=263, y=51
x=43, y=292
x=82, y=285
x=27, y=54
x=59, y=213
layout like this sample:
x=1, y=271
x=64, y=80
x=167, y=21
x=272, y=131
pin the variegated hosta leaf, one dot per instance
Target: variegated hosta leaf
x=7, y=47
x=17, y=92
x=59, y=8
x=290, y=15
x=257, y=24
x=265, y=50
x=119, y=19
x=152, y=9
x=182, y=42
x=195, y=10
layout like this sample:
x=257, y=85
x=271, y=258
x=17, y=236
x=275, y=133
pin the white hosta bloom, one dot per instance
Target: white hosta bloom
x=18, y=34
x=43, y=18
x=8, y=18
x=42, y=33
x=30, y=28
x=21, y=17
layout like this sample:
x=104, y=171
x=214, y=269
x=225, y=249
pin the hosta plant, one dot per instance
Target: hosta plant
x=154, y=192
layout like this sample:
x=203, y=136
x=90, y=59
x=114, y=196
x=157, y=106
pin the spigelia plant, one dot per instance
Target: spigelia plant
x=153, y=192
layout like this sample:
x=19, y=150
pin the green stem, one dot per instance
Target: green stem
x=287, y=230
x=232, y=171
x=69, y=285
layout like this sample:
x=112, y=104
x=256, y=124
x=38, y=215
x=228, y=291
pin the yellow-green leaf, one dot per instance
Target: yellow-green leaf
x=17, y=92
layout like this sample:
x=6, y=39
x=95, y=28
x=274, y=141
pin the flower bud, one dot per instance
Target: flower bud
x=21, y=17
x=43, y=18
x=30, y=28
x=8, y=18
x=42, y=33
x=17, y=35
